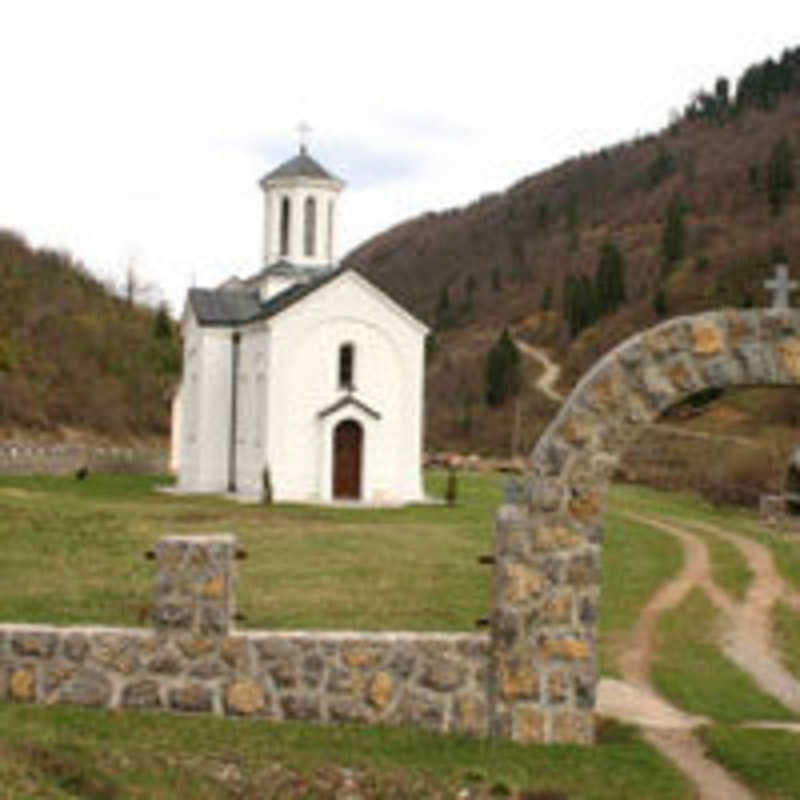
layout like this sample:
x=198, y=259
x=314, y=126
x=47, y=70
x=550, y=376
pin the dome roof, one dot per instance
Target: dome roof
x=300, y=166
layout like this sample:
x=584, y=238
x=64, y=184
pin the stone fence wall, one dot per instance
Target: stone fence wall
x=26, y=458
x=194, y=661
x=436, y=681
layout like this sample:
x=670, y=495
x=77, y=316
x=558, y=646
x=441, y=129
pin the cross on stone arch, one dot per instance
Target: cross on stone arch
x=780, y=286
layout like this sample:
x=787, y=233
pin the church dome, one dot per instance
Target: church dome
x=300, y=166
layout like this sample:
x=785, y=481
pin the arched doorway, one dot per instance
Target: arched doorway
x=348, y=440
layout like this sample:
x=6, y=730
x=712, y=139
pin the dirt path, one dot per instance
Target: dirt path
x=746, y=640
x=546, y=382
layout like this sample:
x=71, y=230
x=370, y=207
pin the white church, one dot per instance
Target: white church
x=305, y=370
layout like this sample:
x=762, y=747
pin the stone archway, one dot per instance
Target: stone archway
x=547, y=549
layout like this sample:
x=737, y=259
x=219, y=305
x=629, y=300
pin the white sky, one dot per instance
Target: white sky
x=135, y=132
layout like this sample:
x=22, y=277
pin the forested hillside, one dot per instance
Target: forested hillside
x=580, y=256
x=75, y=355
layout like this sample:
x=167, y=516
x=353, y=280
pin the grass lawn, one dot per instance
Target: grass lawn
x=728, y=566
x=636, y=560
x=765, y=760
x=692, y=673
x=786, y=629
x=66, y=752
x=73, y=552
x=785, y=548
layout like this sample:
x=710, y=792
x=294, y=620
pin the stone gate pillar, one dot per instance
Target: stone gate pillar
x=195, y=584
x=546, y=586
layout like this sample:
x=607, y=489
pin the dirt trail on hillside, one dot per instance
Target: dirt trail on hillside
x=746, y=639
x=546, y=382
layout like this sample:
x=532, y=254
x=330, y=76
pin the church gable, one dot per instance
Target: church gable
x=344, y=292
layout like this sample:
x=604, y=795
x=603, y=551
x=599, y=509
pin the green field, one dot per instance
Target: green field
x=74, y=552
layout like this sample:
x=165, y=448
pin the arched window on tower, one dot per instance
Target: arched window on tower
x=347, y=365
x=285, y=225
x=310, y=233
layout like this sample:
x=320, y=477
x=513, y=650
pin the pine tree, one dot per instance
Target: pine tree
x=780, y=174
x=444, y=300
x=162, y=324
x=502, y=370
x=610, y=279
x=547, y=298
x=673, y=238
x=660, y=302
x=571, y=215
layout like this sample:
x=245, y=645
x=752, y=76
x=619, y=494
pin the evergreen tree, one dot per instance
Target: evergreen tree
x=660, y=302
x=502, y=370
x=571, y=217
x=443, y=304
x=780, y=174
x=470, y=286
x=162, y=324
x=547, y=298
x=673, y=238
x=610, y=279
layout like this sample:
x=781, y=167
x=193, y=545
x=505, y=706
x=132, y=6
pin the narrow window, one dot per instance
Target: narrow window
x=330, y=231
x=347, y=357
x=285, y=224
x=311, y=226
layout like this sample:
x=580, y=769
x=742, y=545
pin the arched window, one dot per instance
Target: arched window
x=347, y=365
x=310, y=232
x=285, y=225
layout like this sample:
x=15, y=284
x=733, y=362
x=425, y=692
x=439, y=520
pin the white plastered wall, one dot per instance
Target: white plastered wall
x=252, y=403
x=206, y=403
x=303, y=381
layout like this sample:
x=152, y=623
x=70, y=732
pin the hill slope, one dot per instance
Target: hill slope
x=74, y=355
x=698, y=213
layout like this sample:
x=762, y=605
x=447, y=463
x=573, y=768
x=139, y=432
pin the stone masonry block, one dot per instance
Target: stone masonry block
x=195, y=584
x=529, y=724
x=33, y=643
x=789, y=357
x=708, y=337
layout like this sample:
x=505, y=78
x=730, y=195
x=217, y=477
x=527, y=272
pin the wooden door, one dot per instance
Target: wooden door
x=347, y=444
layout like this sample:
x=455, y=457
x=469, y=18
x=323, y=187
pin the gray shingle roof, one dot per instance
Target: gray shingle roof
x=223, y=306
x=236, y=307
x=302, y=165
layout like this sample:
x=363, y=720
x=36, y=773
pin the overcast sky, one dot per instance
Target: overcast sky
x=134, y=133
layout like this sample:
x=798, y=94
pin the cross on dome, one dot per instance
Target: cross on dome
x=780, y=286
x=303, y=134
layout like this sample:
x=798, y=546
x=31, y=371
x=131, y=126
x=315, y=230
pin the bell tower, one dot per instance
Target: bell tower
x=300, y=212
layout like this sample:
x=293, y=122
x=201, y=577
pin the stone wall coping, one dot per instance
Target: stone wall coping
x=200, y=538
x=510, y=512
x=253, y=633
x=33, y=627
